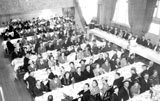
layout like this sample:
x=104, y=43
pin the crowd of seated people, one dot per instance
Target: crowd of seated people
x=121, y=90
x=129, y=36
x=84, y=71
x=17, y=28
x=64, y=36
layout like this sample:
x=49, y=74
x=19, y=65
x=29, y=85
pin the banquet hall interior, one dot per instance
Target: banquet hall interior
x=79, y=50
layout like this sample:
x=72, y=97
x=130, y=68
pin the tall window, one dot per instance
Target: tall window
x=89, y=9
x=155, y=25
x=121, y=13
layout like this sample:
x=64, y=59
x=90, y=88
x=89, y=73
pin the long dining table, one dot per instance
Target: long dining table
x=73, y=89
x=138, y=49
x=14, y=41
x=16, y=63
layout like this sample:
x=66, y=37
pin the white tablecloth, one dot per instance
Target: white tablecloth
x=138, y=49
x=19, y=61
x=73, y=89
x=42, y=74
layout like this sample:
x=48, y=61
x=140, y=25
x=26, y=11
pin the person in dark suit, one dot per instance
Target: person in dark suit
x=10, y=46
x=95, y=49
x=26, y=62
x=88, y=72
x=85, y=93
x=118, y=82
x=100, y=60
x=149, y=44
x=143, y=41
x=41, y=64
x=115, y=96
x=78, y=76
x=31, y=82
x=124, y=93
x=151, y=67
x=144, y=83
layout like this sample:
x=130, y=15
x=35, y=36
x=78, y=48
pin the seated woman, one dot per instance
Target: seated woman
x=154, y=79
x=134, y=75
x=41, y=64
x=87, y=52
x=98, y=71
x=32, y=67
x=88, y=72
x=62, y=58
x=51, y=61
x=95, y=91
x=106, y=66
x=67, y=79
x=105, y=86
x=131, y=59
x=135, y=89
x=55, y=83
x=80, y=54
x=85, y=93
x=123, y=60
x=78, y=76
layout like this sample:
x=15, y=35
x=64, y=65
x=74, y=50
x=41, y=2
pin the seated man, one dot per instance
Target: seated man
x=100, y=60
x=41, y=64
x=95, y=49
x=118, y=82
x=55, y=83
x=39, y=89
x=85, y=93
x=124, y=93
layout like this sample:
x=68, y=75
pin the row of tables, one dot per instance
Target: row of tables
x=72, y=90
x=138, y=49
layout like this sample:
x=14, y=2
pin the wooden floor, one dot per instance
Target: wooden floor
x=13, y=90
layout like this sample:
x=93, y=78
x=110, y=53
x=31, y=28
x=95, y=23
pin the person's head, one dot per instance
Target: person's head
x=62, y=54
x=151, y=63
x=126, y=84
x=146, y=76
x=38, y=84
x=144, y=67
x=86, y=87
x=136, y=83
x=55, y=78
x=117, y=75
x=101, y=56
x=104, y=81
x=94, y=83
x=71, y=64
x=88, y=68
x=49, y=70
x=67, y=74
x=82, y=62
x=116, y=90
x=97, y=66
x=132, y=56
x=155, y=73
x=133, y=70
x=78, y=69
x=50, y=98
x=90, y=61
x=106, y=62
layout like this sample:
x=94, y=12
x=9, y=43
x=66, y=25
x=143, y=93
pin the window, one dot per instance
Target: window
x=89, y=9
x=155, y=25
x=121, y=13
x=157, y=11
x=154, y=28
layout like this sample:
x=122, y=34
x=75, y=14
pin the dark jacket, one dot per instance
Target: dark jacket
x=123, y=94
